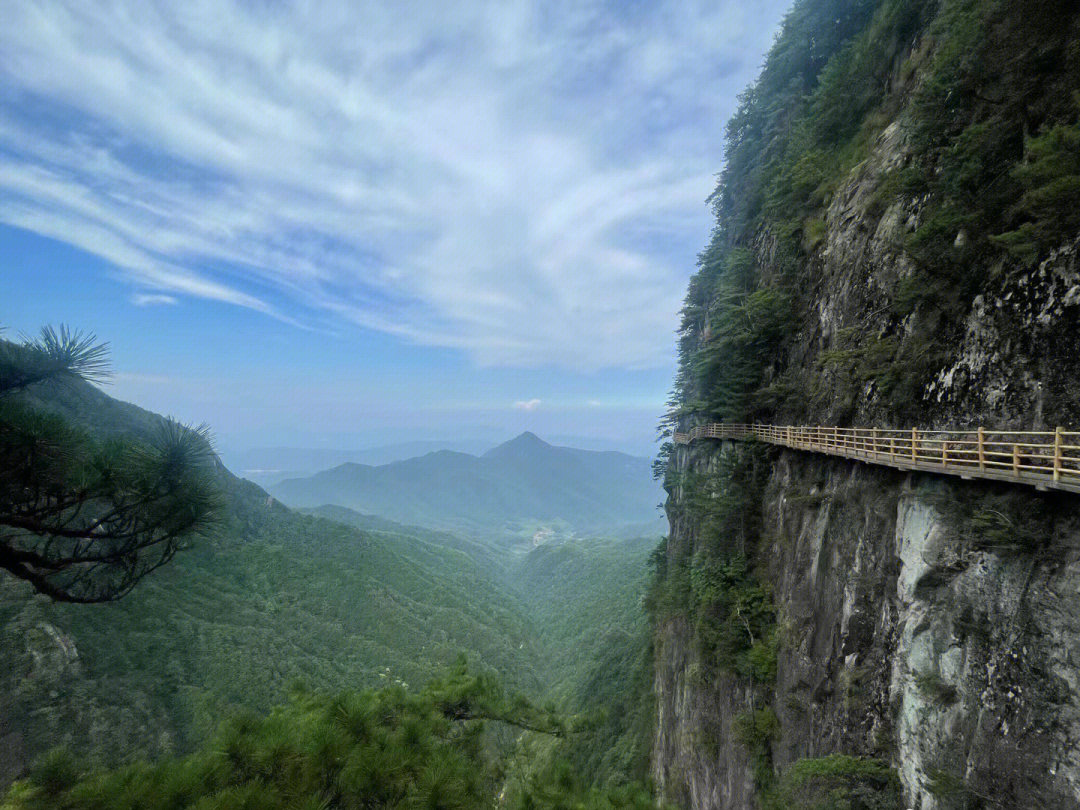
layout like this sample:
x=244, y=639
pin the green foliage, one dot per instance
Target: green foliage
x=745, y=327
x=954, y=792
x=726, y=505
x=736, y=620
x=934, y=687
x=729, y=606
x=835, y=782
x=758, y=134
x=755, y=731
x=560, y=787
x=716, y=589
x=1001, y=72
x=368, y=749
x=1000, y=521
x=233, y=622
x=858, y=359
x=56, y=354
x=1050, y=204
x=85, y=520
x=594, y=653
x=810, y=117
x=995, y=171
x=272, y=597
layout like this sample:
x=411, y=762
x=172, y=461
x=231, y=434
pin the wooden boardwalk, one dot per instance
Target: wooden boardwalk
x=1040, y=458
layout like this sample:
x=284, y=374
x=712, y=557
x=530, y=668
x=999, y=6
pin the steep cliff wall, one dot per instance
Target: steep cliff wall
x=926, y=625
x=950, y=652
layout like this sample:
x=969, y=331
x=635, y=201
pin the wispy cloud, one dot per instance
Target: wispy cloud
x=152, y=299
x=527, y=404
x=519, y=180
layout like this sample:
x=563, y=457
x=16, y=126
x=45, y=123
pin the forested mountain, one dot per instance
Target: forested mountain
x=269, y=465
x=896, y=245
x=585, y=599
x=272, y=596
x=331, y=599
x=515, y=488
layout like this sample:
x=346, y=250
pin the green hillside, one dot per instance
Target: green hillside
x=585, y=600
x=273, y=596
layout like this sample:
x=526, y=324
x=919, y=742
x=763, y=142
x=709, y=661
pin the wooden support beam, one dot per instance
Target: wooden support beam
x=1057, y=454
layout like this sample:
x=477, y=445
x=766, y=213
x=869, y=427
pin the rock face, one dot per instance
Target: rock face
x=920, y=622
x=901, y=639
x=47, y=700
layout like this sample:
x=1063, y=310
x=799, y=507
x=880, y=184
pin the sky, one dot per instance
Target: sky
x=344, y=225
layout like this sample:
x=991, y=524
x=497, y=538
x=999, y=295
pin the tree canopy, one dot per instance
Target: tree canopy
x=83, y=519
x=371, y=749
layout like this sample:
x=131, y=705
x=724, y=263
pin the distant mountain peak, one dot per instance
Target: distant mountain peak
x=523, y=443
x=528, y=437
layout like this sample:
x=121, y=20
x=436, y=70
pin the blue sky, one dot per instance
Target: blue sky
x=332, y=225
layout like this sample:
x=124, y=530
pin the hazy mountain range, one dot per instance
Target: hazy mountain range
x=523, y=484
x=270, y=465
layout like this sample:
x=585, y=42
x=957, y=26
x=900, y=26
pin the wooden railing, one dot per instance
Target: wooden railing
x=1042, y=458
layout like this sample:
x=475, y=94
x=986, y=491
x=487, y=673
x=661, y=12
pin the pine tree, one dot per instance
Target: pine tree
x=83, y=520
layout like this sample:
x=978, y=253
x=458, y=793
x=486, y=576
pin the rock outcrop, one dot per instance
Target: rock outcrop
x=931, y=623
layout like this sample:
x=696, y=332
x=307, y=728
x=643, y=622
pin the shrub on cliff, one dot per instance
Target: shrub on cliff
x=835, y=782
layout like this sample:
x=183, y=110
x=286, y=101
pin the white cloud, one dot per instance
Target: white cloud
x=521, y=181
x=527, y=404
x=152, y=299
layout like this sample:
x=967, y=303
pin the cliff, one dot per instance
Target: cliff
x=896, y=244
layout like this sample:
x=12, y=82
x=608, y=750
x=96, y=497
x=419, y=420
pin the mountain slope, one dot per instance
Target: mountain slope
x=585, y=600
x=273, y=596
x=269, y=465
x=525, y=479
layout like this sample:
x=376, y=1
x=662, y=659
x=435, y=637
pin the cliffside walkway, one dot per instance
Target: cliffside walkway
x=1043, y=459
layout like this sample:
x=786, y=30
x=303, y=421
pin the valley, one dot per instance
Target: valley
x=327, y=597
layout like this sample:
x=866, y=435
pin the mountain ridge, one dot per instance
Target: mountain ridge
x=523, y=479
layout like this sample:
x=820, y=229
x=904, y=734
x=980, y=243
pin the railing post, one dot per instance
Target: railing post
x=982, y=448
x=914, y=445
x=873, y=443
x=1057, y=454
x=944, y=453
x=892, y=447
x=1016, y=460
